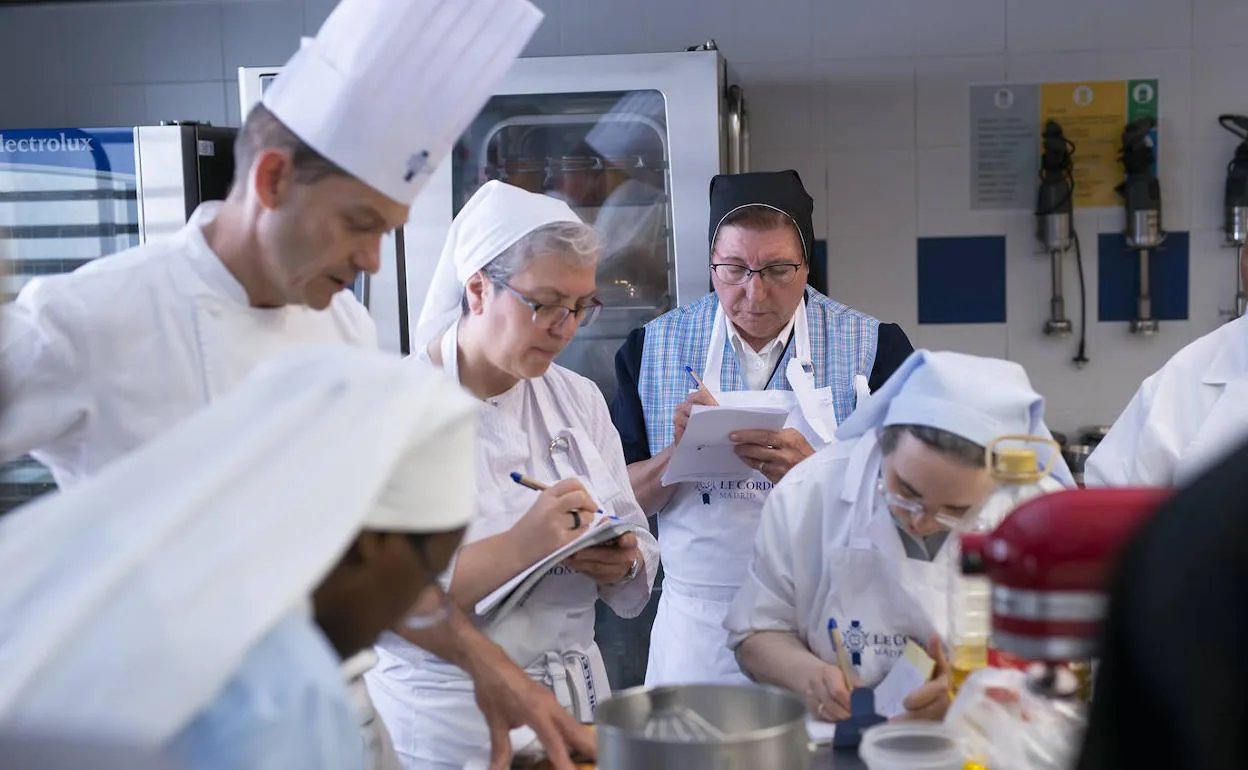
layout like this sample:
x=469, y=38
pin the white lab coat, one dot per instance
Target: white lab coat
x=549, y=428
x=827, y=547
x=1184, y=417
x=98, y=361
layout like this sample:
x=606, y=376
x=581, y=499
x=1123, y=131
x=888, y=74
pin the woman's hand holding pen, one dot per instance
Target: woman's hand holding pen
x=827, y=693
x=561, y=514
x=681, y=416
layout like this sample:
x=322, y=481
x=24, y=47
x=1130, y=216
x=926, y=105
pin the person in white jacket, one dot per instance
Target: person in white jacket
x=857, y=533
x=100, y=361
x=515, y=282
x=1183, y=419
x=197, y=597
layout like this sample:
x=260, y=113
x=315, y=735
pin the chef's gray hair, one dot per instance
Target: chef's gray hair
x=574, y=243
x=263, y=131
x=953, y=446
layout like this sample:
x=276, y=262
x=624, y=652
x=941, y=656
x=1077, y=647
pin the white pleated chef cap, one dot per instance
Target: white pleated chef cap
x=495, y=218
x=132, y=598
x=386, y=87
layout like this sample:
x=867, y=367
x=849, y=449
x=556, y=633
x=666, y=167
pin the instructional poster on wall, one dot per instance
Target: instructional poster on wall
x=1006, y=122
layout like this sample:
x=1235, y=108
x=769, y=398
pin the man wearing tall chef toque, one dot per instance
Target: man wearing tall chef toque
x=762, y=337
x=106, y=358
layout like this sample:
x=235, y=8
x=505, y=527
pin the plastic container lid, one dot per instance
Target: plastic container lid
x=911, y=746
x=1016, y=465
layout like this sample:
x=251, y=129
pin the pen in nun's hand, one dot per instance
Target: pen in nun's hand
x=701, y=386
x=532, y=484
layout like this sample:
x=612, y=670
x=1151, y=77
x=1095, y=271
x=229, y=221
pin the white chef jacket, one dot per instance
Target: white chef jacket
x=427, y=704
x=807, y=521
x=98, y=361
x=1184, y=417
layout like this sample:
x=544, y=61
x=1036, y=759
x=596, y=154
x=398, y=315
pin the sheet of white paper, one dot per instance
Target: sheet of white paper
x=902, y=679
x=705, y=453
x=497, y=596
x=819, y=731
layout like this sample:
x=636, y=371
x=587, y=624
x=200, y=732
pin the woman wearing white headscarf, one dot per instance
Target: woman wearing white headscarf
x=855, y=532
x=515, y=281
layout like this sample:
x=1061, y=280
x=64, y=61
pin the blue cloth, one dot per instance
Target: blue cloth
x=838, y=335
x=286, y=707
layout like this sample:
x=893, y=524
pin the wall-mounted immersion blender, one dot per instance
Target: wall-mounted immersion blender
x=1141, y=194
x=1055, y=230
x=1235, y=203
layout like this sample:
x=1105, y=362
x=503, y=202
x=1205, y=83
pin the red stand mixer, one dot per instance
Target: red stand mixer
x=1050, y=562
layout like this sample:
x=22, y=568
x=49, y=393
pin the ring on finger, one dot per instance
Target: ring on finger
x=819, y=710
x=576, y=519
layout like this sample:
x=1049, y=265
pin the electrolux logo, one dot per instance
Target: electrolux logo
x=60, y=143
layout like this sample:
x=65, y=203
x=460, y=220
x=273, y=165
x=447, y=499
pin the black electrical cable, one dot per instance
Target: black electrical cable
x=1066, y=168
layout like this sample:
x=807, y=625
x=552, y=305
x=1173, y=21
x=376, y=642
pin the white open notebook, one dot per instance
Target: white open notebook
x=705, y=452
x=513, y=593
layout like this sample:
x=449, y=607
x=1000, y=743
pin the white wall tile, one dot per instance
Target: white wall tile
x=1218, y=87
x=975, y=339
x=1052, y=67
x=187, y=101
x=878, y=281
x=106, y=44
x=944, y=96
x=944, y=194
x=103, y=105
x=811, y=167
x=1206, y=164
x=958, y=27
x=786, y=106
x=1174, y=168
x=31, y=105
x=314, y=14
x=1136, y=24
x=1220, y=22
x=1214, y=276
x=1054, y=25
x=260, y=34
x=601, y=27
x=182, y=42
x=853, y=29
x=26, y=34
x=1173, y=69
x=233, y=108
x=778, y=30
x=674, y=25
x=870, y=103
x=545, y=41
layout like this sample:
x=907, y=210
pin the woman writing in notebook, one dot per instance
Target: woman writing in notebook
x=515, y=282
x=855, y=538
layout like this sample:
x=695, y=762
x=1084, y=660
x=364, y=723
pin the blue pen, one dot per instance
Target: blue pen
x=529, y=483
x=702, y=387
x=838, y=647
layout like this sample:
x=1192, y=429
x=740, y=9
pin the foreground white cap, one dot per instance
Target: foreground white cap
x=132, y=598
x=386, y=87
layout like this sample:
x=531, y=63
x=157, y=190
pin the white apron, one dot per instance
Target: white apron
x=430, y=708
x=879, y=597
x=707, y=530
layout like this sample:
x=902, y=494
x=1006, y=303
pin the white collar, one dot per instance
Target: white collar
x=205, y=261
x=741, y=345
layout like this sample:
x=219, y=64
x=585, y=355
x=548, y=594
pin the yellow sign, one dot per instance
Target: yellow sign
x=1092, y=117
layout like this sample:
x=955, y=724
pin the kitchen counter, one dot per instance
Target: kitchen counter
x=826, y=758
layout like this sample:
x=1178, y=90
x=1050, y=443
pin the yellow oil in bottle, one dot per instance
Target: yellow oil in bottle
x=966, y=659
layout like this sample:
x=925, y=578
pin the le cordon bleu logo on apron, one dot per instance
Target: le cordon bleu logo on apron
x=733, y=489
x=859, y=639
x=60, y=143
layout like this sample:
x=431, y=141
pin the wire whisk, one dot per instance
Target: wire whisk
x=682, y=724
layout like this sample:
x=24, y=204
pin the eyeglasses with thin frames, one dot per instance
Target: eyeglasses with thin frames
x=554, y=316
x=736, y=275
x=422, y=620
x=913, y=508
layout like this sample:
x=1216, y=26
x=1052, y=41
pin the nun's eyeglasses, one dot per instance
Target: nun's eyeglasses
x=554, y=316
x=431, y=618
x=906, y=510
x=739, y=274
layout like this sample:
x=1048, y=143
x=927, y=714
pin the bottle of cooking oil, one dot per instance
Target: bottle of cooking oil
x=1019, y=476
